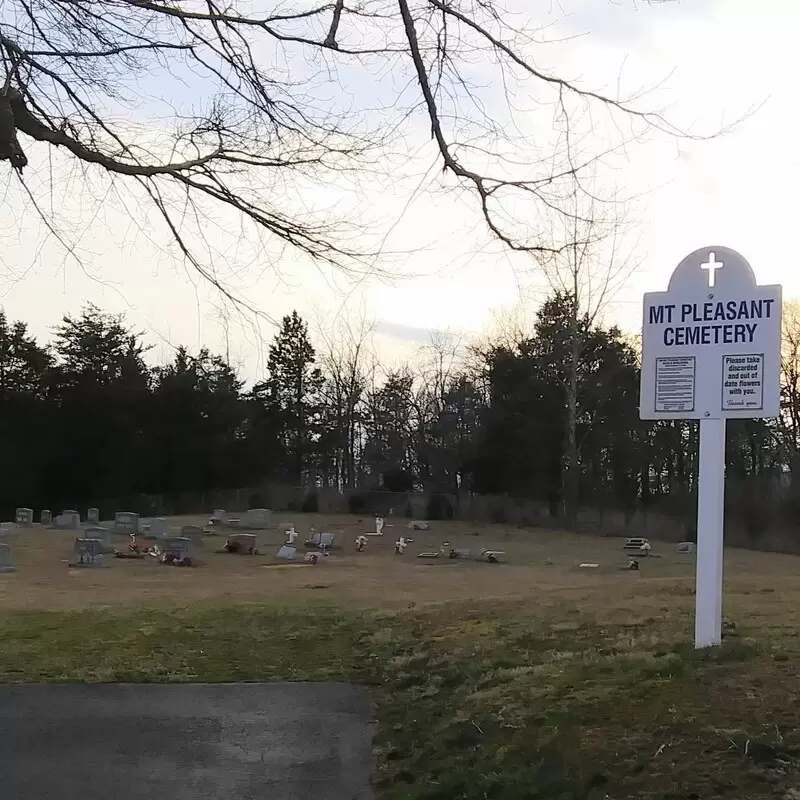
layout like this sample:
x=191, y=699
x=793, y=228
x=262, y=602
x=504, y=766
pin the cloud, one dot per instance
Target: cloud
x=404, y=333
x=621, y=22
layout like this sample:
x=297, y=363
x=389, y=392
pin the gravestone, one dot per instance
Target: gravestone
x=418, y=525
x=176, y=546
x=87, y=553
x=46, y=517
x=159, y=528
x=219, y=517
x=685, y=547
x=93, y=516
x=257, y=518
x=101, y=535
x=636, y=543
x=6, y=564
x=323, y=541
x=378, y=528
x=287, y=553
x=291, y=537
x=244, y=543
x=68, y=521
x=24, y=516
x=126, y=522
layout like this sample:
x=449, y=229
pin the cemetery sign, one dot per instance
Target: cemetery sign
x=711, y=342
x=711, y=351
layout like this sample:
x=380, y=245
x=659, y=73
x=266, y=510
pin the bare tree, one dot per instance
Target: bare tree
x=222, y=113
x=448, y=403
x=587, y=273
x=789, y=421
x=436, y=365
x=348, y=362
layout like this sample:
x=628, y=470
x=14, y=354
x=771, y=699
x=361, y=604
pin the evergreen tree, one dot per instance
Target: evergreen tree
x=101, y=387
x=292, y=394
x=24, y=415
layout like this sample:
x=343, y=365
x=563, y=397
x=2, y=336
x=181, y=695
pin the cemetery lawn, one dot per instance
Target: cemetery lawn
x=532, y=679
x=585, y=693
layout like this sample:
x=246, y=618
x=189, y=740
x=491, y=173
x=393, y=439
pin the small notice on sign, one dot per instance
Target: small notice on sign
x=743, y=382
x=675, y=383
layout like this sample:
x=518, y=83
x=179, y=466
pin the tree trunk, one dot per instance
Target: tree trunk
x=572, y=474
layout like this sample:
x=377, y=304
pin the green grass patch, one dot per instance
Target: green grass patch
x=249, y=643
x=495, y=700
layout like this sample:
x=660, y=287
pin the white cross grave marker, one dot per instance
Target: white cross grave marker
x=712, y=265
x=710, y=352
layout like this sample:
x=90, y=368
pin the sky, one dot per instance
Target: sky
x=707, y=64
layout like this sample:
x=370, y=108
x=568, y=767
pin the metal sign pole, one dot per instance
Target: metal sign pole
x=710, y=515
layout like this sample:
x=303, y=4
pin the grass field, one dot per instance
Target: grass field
x=534, y=679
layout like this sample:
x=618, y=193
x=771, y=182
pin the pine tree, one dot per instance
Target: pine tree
x=292, y=391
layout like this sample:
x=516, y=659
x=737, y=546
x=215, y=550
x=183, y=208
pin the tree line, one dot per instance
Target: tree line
x=85, y=417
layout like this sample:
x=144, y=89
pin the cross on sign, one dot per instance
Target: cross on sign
x=712, y=265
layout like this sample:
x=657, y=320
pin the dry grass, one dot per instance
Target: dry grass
x=534, y=679
x=378, y=578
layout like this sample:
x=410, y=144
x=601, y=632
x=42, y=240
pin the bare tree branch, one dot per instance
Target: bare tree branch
x=261, y=112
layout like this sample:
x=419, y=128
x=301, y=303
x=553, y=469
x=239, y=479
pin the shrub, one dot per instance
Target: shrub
x=310, y=504
x=398, y=481
x=439, y=507
x=357, y=503
x=256, y=501
x=497, y=512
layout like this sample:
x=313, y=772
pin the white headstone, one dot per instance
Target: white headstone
x=219, y=517
x=126, y=522
x=379, y=526
x=711, y=347
x=24, y=516
x=87, y=553
x=257, y=518
x=291, y=536
x=93, y=516
x=6, y=563
x=101, y=535
x=46, y=517
x=176, y=546
x=68, y=521
x=287, y=553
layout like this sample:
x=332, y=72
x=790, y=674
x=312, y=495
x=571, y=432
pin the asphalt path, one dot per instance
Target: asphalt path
x=276, y=741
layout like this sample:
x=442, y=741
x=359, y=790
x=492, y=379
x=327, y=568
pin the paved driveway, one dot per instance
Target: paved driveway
x=277, y=741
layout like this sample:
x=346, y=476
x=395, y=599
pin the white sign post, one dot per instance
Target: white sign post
x=711, y=351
